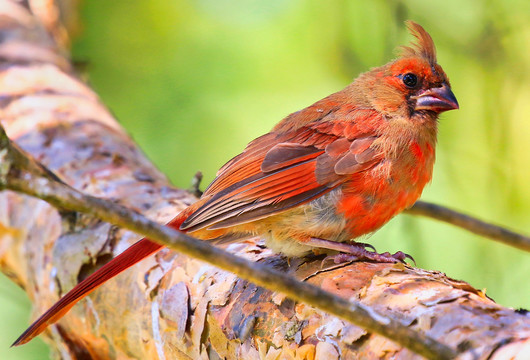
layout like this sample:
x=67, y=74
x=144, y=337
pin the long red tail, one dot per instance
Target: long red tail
x=140, y=250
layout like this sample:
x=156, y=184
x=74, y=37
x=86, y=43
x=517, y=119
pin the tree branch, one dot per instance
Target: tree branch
x=472, y=224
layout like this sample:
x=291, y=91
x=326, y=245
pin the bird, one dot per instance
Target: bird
x=322, y=177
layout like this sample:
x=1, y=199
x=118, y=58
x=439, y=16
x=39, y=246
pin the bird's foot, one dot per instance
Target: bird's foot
x=357, y=251
x=366, y=255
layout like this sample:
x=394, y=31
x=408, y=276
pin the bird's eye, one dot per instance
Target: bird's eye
x=410, y=80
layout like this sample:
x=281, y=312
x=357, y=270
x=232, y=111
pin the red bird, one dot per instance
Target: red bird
x=324, y=175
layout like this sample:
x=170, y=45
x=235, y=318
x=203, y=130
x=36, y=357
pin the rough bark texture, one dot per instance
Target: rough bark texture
x=170, y=306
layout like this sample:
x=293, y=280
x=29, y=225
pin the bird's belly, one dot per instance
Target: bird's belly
x=288, y=231
x=373, y=198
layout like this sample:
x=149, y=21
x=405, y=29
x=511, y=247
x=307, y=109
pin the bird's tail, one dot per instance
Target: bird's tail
x=140, y=250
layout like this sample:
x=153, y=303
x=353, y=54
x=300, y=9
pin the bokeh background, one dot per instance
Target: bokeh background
x=194, y=81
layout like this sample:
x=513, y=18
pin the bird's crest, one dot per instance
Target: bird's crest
x=423, y=47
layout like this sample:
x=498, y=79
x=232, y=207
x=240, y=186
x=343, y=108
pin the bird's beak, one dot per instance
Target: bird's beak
x=436, y=99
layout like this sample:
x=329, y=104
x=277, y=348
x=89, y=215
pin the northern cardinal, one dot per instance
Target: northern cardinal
x=324, y=175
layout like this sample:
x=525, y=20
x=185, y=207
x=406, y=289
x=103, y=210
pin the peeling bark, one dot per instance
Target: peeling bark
x=171, y=306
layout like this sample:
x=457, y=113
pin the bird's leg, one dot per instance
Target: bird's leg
x=339, y=246
x=357, y=251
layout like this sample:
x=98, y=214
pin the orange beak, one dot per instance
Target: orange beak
x=436, y=99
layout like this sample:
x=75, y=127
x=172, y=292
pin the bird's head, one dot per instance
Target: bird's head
x=413, y=84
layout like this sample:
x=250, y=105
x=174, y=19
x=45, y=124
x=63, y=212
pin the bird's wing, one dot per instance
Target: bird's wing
x=281, y=170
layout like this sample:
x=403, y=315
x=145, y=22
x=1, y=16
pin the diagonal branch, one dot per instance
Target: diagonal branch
x=472, y=224
x=25, y=175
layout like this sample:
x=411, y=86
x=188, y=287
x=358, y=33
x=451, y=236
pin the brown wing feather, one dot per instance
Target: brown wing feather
x=286, y=154
x=281, y=170
x=284, y=189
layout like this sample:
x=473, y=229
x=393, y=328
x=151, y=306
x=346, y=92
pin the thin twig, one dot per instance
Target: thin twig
x=38, y=182
x=472, y=224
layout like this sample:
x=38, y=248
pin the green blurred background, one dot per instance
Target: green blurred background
x=194, y=81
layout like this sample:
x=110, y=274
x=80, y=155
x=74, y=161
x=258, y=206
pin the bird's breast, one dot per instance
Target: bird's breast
x=371, y=198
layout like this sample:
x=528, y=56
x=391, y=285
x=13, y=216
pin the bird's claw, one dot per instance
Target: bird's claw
x=402, y=257
x=364, y=245
x=353, y=251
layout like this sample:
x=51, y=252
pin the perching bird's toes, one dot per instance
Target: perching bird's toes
x=357, y=251
x=402, y=257
x=372, y=256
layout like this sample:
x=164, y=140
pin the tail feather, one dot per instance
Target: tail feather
x=137, y=252
x=140, y=250
x=125, y=260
